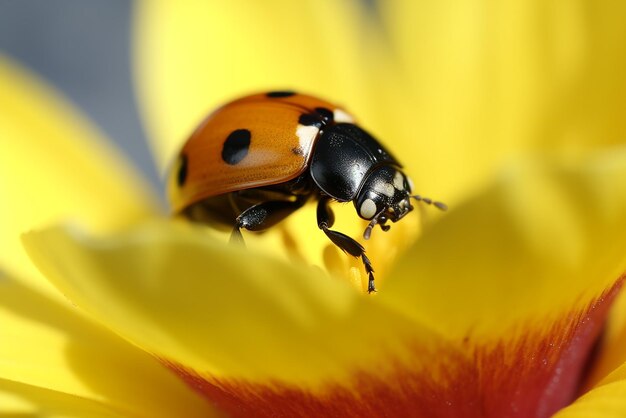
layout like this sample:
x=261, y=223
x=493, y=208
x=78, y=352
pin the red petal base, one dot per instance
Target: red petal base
x=529, y=377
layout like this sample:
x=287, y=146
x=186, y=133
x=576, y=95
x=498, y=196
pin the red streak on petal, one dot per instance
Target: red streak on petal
x=531, y=376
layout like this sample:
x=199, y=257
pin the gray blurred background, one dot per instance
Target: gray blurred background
x=82, y=47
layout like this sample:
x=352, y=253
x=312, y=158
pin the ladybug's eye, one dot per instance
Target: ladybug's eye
x=409, y=185
x=368, y=209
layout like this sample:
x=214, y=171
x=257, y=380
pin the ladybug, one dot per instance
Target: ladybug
x=258, y=159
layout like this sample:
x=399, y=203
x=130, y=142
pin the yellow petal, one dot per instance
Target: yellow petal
x=532, y=374
x=611, y=353
x=178, y=293
x=19, y=400
x=486, y=80
x=608, y=401
x=195, y=56
x=51, y=349
x=545, y=238
x=55, y=165
x=260, y=337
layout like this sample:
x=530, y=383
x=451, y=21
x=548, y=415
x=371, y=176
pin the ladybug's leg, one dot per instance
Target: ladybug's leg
x=264, y=215
x=325, y=220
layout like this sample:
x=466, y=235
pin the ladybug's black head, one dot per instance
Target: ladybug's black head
x=384, y=197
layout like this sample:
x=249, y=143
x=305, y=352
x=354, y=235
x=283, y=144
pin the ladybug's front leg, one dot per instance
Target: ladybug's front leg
x=325, y=220
x=264, y=215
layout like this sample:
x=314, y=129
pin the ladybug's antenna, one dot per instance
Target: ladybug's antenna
x=438, y=205
x=370, y=226
x=373, y=223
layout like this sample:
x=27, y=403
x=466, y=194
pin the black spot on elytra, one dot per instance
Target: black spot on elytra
x=285, y=93
x=311, y=119
x=182, y=171
x=326, y=114
x=236, y=146
x=297, y=151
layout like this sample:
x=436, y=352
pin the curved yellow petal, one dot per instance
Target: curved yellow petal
x=483, y=81
x=264, y=338
x=545, y=238
x=607, y=401
x=189, y=299
x=24, y=401
x=54, y=166
x=193, y=57
x=532, y=374
x=50, y=347
x=611, y=354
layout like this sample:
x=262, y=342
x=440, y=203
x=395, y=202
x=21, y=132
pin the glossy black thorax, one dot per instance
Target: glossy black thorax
x=343, y=157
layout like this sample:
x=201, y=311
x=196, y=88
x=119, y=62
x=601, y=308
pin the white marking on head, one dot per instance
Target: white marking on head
x=384, y=188
x=368, y=209
x=306, y=134
x=398, y=181
x=341, y=116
